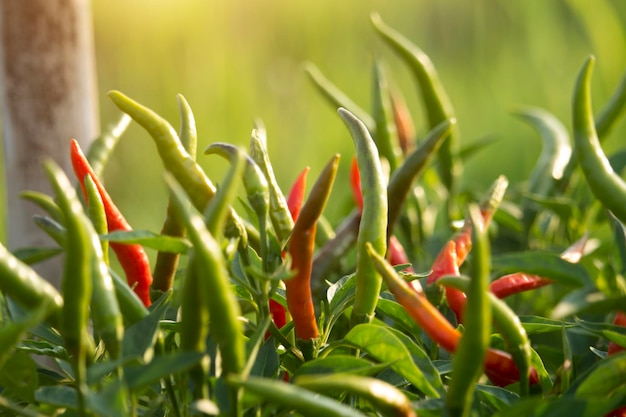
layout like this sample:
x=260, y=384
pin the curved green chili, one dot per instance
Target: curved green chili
x=606, y=185
x=472, y=350
x=76, y=285
x=177, y=160
x=43, y=201
x=382, y=110
x=300, y=249
x=167, y=262
x=337, y=98
x=373, y=226
x=291, y=397
x=386, y=398
x=437, y=104
x=279, y=211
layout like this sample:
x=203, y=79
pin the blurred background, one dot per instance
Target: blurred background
x=236, y=61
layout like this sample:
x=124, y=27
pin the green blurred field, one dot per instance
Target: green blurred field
x=240, y=60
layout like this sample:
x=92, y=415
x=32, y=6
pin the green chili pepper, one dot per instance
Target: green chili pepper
x=216, y=298
x=291, y=397
x=612, y=110
x=131, y=307
x=373, y=226
x=178, y=161
x=97, y=214
x=437, y=103
x=337, y=98
x=167, y=262
x=24, y=285
x=606, y=185
x=279, y=211
x=188, y=133
x=402, y=179
x=100, y=149
x=386, y=134
x=386, y=398
x=76, y=285
x=467, y=364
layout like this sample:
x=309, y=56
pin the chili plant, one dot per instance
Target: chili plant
x=426, y=299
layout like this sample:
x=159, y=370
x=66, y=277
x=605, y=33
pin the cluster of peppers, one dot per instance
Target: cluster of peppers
x=287, y=226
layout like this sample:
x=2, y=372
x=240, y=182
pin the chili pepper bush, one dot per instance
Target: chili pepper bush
x=428, y=299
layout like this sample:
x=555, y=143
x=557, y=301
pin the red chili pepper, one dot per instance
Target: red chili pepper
x=620, y=320
x=516, y=283
x=355, y=184
x=132, y=257
x=403, y=121
x=447, y=263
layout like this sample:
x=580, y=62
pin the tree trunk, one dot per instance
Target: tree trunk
x=49, y=96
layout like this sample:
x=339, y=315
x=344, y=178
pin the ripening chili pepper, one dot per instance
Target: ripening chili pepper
x=499, y=366
x=373, y=225
x=301, y=247
x=606, y=185
x=132, y=258
x=620, y=320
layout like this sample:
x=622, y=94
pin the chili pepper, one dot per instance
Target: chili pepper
x=292, y=397
x=179, y=163
x=404, y=122
x=386, y=133
x=278, y=210
x=45, y=202
x=472, y=349
x=301, y=246
x=167, y=262
x=337, y=98
x=620, y=320
x=26, y=287
x=606, y=185
x=499, y=366
x=132, y=258
x=76, y=285
x=373, y=226
x=436, y=101
x=609, y=114
x=208, y=274
x=386, y=398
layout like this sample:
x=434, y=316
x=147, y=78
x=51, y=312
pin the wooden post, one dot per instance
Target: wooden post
x=48, y=96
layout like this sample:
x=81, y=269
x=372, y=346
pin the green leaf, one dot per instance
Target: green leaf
x=43, y=348
x=498, y=398
x=546, y=265
x=384, y=345
x=398, y=314
x=538, y=324
x=603, y=378
x=267, y=361
x=588, y=300
x=111, y=401
x=611, y=332
x=140, y=337
x=19, y=376
x=34, y=255
x=340, y=364
x=139, y=377
x=162, y=243
x=58, y=395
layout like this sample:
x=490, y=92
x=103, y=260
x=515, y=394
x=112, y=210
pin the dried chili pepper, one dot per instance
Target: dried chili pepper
x=301, y=246
x=132, y=258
